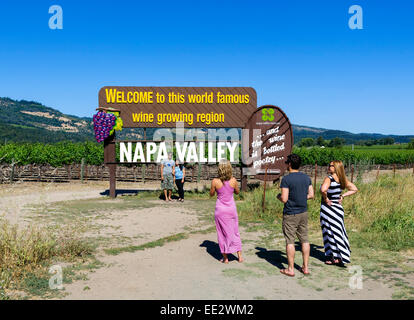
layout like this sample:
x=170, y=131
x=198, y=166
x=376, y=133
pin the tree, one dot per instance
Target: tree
x=369, y=143
x=307, y=142
x=388, y=141
x=411, y=144
x=336, y=142
x=320, y=141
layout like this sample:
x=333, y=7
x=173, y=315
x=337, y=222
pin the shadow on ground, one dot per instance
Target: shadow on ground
x=314, y=251
x=120, y=192
x=213, y=250
x=124, y=192
x=279, y=259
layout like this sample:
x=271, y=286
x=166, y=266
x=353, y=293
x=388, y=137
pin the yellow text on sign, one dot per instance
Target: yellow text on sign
x=115, y=96
x=206, y=118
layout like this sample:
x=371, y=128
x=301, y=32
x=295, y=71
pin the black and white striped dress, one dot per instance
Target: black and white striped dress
x=335, y=239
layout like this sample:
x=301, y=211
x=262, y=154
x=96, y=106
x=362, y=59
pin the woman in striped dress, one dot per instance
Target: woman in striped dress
x=335, y=239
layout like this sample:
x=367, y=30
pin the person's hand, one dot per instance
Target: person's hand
x=182, y=180
x=340, y=199
x=328, y=202
x=162, y=178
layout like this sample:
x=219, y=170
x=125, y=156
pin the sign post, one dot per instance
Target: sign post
x=109, y=159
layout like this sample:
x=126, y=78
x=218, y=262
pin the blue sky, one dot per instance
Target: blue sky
x=299, y=55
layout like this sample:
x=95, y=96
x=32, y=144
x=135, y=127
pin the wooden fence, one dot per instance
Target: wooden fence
x=47, y=173
x=150, y=172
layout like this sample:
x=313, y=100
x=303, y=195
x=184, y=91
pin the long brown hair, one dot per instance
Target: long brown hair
x=225, y=171
x=340, y=172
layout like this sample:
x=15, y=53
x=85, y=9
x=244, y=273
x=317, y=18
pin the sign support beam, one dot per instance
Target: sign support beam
x=109, y=156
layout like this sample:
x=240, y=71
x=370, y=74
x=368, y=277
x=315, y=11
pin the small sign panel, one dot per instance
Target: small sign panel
x=270, y=142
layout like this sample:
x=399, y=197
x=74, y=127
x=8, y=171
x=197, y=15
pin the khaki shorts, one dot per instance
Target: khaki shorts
x=167, y=183
x=295, y=225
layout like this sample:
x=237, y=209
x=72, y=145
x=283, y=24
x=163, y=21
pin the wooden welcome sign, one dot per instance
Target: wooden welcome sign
x=270, y=134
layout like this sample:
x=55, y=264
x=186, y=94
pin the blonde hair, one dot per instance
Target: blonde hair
x=225, y=171
x=340, y=172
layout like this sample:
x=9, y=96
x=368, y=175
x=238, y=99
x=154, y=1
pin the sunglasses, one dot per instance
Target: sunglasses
x=331, y=165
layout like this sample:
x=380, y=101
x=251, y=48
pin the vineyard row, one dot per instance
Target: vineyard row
x=66, y=153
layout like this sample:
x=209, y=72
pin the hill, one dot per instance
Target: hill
x=300, y=132
x=30, y=121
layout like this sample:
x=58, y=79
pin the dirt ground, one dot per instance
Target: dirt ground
x=149, y=249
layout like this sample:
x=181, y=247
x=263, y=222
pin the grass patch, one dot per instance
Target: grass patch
x=268, y=268
x=204, y=231
x=195, y=194
x=152, y=244
x=380, y=215
x=158, y=242
x=380, y=224
x=36, y=285
x=25, y=256
x=240, y=274
x=65, y=211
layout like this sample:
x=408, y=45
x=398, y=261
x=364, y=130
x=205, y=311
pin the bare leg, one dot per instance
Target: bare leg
x=165, y=194
x=290, y=252
x=170, y=192
x=239, y=255
x=305, y=256
x=225, y=258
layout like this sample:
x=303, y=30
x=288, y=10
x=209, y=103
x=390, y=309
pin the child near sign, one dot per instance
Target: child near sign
x=225, y=216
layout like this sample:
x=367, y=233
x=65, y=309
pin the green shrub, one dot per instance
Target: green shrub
x=23, y=251
x=380, y=215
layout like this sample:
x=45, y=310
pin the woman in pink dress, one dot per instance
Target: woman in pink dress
x=227, y=222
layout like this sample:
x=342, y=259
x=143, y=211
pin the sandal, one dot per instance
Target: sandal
x=305, y=273
x=339, y=263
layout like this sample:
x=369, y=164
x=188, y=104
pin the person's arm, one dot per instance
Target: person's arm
x=311, y=194
x=284, y=196
x=235, y=185
x=213, y=187
x=284, y=186
x=162, y=169
x=324, y=190
x=352, y=189
x=173, y=170
x=182, y=180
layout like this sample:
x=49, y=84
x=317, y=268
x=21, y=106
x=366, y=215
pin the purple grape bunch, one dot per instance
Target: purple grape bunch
x=102, y=124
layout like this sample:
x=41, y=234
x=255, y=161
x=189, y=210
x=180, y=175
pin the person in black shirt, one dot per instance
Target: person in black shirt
x=296, y=190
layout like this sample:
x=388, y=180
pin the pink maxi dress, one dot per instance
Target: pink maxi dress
x=227, y=221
